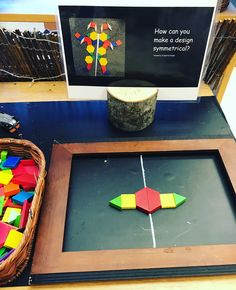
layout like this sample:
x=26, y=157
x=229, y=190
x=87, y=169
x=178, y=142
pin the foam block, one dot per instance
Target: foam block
x=25, y=180
x=179, y=199
x=22, y=196
x=27, y=162
x=116, y=202
x=11, y=189
x=167, y=200
x=11, y=214
x=3, y=155
x=4, y=230
x=3, y=250
x=1, y=191
x=1, y=204
x=12, y=161
x=9, y=203
x=17, y=221
x=13, y=239
x=148, y=200
x=6, y=255
x=5, y=178
x=19, y=170
x=128, y=201
x=25, y=214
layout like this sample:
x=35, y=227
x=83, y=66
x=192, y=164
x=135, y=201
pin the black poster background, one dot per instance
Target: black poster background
x=182, y=70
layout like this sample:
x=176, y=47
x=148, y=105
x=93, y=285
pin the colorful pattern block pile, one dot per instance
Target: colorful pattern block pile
x=18, y=178
x=147, y=200
x=97, y=45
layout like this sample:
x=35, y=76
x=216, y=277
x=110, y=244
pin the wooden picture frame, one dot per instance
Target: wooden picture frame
x=51, y=264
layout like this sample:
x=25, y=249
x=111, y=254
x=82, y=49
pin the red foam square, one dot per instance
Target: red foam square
x=19, y=170
x=4, y=230
x=25, y=180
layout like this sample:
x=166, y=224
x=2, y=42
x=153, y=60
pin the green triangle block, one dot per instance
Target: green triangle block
x=17, y=221
x=116, y=202
x=1, y=204
x=2, y=251
x=179, y=199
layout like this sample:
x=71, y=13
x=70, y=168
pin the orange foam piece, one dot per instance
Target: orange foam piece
x=11, y=189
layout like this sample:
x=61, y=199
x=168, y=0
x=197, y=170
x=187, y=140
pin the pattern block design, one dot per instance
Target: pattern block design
x=147, y=200
x=97, y=45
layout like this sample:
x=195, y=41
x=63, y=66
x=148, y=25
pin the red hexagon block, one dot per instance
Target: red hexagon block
x=148, y=200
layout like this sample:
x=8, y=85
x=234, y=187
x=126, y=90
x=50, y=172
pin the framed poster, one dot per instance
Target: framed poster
x=111, y=43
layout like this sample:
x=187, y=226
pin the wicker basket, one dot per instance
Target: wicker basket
x=13, y=266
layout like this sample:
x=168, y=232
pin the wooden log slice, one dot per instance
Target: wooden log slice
x=131, y=108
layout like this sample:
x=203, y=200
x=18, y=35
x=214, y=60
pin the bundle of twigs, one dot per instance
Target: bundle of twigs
x=223, y=49
x=28, y=56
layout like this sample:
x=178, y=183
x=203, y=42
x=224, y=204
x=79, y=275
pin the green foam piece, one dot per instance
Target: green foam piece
x=1, y=204
x=3, y=155
x=116, y=202
x=2, y=251
x=17, y=221
x=179, y=199
x=3, y=168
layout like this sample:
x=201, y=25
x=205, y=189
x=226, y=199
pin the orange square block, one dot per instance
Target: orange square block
x=11, y=189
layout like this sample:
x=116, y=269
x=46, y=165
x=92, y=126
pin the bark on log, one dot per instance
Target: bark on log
x=131, y=109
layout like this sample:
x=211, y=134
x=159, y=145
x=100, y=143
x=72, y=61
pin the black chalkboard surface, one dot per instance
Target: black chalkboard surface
x=91, y=224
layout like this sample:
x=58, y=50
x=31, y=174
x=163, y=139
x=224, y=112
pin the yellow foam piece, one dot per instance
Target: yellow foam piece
x=11, y=214
x=88, y=59
x=103, y=36
x=13, y=239
x=93, y=35
x=167, y=200
x=90, y=48
x=102, y=50
x=103, y=61
x=7, y=171
x=128, y=201
x=5, y=177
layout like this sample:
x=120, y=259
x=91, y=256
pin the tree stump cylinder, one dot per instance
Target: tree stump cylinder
x=131, y=109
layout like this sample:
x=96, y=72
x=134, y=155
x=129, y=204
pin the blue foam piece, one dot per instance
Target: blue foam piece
x=20, y=197
x=11, y=162
x=114, y=44
x=94, y=42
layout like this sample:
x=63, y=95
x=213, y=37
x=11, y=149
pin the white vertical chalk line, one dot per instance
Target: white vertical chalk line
x=143, y=171
x=150, y=215
x=153, y=232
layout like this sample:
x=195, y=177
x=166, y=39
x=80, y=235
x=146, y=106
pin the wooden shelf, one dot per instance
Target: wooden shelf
x=49, y=91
